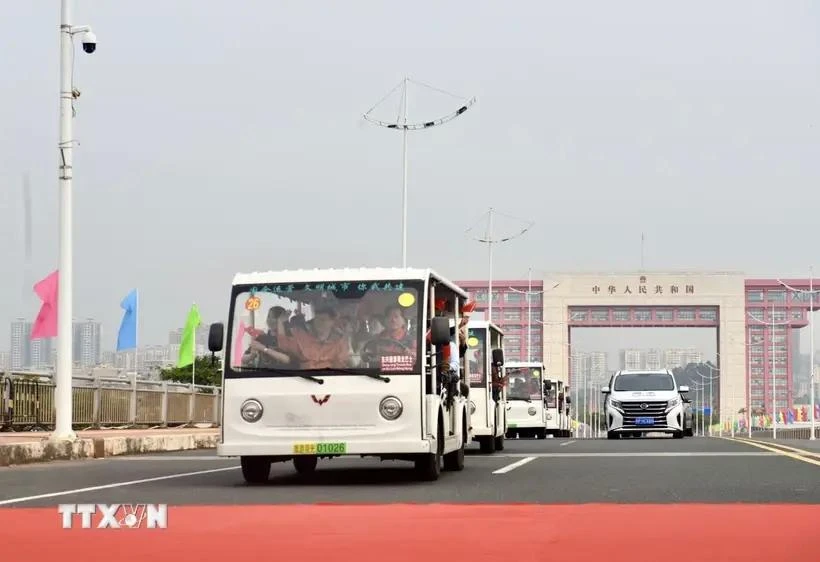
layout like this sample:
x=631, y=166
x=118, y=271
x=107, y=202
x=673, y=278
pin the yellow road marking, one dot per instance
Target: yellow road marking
x=773, y=450
x=787, y=447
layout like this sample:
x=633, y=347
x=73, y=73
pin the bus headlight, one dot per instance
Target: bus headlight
x=532, y=411
x=390, y=408
x=251, y=410
x=472, y=407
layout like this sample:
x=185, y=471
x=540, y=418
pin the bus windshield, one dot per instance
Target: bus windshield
x=551, y=396
x=476, y=358
x=523, y=383
x=285, y=329
x=639, y=382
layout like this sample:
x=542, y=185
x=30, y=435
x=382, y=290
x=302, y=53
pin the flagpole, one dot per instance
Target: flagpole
x=136, y=328
x=193, y=362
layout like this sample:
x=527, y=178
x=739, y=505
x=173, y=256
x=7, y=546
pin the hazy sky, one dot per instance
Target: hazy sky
x=218, y=137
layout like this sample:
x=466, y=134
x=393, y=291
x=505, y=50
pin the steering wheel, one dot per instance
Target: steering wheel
x=382, y=347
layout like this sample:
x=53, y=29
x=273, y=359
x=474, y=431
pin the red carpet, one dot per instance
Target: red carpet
x=399, y=533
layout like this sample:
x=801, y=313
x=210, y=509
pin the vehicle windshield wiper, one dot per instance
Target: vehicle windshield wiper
x=293, y=372
x=355, y=373
x=519, y=398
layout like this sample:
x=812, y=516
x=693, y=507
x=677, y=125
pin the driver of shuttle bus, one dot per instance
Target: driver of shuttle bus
x=318, y=346
x=264, y=350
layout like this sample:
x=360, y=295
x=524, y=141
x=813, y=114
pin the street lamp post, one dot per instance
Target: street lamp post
x=810, y=292
x=402, y=125
x=771, y=325
x=489, y=240
x=65, y=292
x=530, y=293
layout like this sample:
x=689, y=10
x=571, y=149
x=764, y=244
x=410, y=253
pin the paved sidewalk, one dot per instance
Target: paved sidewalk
x=35, y=446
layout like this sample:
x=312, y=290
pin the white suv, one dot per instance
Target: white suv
x=639, y=402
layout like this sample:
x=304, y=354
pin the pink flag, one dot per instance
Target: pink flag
x=45, y=325
x=238, y=347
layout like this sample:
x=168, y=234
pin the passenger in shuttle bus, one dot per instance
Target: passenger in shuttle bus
x=394, y=339
x=498, y=381
x=318, y=347
x=264, y=350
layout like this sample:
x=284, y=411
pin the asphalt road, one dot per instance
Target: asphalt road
x=692, y=470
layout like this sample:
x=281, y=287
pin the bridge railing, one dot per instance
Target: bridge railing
x=102, y=402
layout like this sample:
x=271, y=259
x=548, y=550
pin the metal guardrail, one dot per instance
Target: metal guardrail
x=28, y=402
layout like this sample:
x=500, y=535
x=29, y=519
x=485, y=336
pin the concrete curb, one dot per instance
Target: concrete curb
x=101, y=447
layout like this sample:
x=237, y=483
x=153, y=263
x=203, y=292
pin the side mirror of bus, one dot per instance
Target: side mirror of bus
x=216, y=336
x=439, y=331
x=498, y=357
x=547, y=385
x=605, y=390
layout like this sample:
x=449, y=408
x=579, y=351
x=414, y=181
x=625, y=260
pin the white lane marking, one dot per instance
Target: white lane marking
x=626, y=454
x=565, y=443
x=114, y=485
x=514, y=465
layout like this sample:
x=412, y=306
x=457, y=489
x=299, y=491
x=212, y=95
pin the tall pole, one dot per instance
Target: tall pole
x=404, y=186
x=774, y=379
x=711, y=403
x=62, y=390
x=529, y=318
x=749, y=381
x=811, y=352
x=490, y=280
x=402, y=124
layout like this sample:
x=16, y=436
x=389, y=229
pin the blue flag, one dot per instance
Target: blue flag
x=127, y=337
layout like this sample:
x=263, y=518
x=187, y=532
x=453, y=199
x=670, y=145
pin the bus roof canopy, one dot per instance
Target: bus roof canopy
x=346, y=274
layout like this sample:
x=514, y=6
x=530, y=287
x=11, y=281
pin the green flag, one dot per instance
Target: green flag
x=186, y=346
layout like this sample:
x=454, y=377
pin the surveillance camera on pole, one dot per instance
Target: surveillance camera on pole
x=89, y=41
x=68, y=95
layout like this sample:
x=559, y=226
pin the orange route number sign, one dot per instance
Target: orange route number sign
x=253, y=303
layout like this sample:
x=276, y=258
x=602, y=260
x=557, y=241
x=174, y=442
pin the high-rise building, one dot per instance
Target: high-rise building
x=517, y=311
x=20, y=350
x=41, y=353
x=87, y=343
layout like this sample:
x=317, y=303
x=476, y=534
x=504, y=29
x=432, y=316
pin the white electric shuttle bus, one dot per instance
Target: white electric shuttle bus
x=487, y=404
x=557, y=420
x=526, y=414
x=325, y=363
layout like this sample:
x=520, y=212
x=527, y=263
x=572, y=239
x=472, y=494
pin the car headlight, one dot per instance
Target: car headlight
x=615, y=404
x=390, y=408
x=251, y=410
x=472, y=407
x=674, y=402
x=532, y=411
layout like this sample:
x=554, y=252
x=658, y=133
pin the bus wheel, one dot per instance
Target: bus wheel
x=255, y=470
x=305, y=464
x=455, y=461
x=428, y=467
x=487, y=444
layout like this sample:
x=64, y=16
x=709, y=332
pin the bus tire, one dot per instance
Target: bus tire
x=305, y=464
x=487, y=444
x=428, y=467
x=255, y=470
x=455, y=461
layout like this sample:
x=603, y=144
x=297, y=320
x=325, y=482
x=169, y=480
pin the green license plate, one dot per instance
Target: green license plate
x=512, y=425
x=320, y=449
